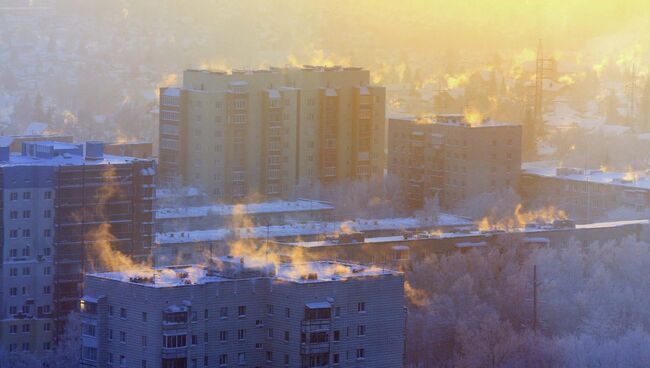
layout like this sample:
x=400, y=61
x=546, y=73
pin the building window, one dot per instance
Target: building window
x=223, y=312
x=122, y=336
x=47, y=270
x=269, y=356
x=89, y=330
x=259, y=323
x=27, y=195
x=47, y=289
x=361, y=353
x=13, y=291
x=223, y=359
x=144, y=316
x=13, y=196
x=269, y=309
x=259, y=346
x=361, y=330
x=13, y=271
x=47, y=327
x=241, y=358
x=241, y=311
x=287, y=312
x=27, y=233
x=223, y=336
x=195, y=339
x=286, y=336
x=47, y=233
x=143, y=340
x=13, y=234
x=47, y=194
x=47, y=213
x=270, y=333
x=13, y=215
x=13, y=329
x=89, y=353
x=361, y=307
x=27, y=214
x=123, y=313
x=143, y=364
x=26, y=271
x=241, y=335
x=174, y=341
x=337, y=335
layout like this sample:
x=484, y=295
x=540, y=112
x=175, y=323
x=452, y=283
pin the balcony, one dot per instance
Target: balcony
x=174, y=353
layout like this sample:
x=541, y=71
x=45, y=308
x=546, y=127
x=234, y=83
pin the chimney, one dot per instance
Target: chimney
x=4, y=154
x=94, y=150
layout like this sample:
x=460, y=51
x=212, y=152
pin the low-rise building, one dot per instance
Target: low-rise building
x=253, y=214
x=242, y=312
x=192, y=246
x=586, y=195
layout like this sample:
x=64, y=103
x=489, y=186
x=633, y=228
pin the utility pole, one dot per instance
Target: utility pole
x=535, y=298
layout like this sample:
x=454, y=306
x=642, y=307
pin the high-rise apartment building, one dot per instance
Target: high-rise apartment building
x=231, y=314
x=444, y=155
x=262, y=132
x=61, y=207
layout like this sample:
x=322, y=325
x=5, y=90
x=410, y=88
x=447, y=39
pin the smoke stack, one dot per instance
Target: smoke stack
x=4, y=154
x=94, y=150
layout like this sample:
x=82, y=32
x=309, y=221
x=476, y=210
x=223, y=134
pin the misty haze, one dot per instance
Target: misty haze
x=315, y=184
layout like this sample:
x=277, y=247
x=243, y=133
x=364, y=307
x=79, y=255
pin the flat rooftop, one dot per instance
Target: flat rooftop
x=447, y=119
x=631, y=179
x=53, y=153
x=312, y=228
x=301, y=205
x=459, y=234
x=234, y=269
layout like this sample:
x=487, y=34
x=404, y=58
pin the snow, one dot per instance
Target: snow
x=640, y=179
x=309, y=228
x=451, y=235
x=179, y=276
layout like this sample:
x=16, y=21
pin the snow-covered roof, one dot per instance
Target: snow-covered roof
x=633, y=179
x=310, y=228
x=460, y=235
x=302, y=273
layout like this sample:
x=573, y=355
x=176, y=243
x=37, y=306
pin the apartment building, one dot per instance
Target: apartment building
x=232, y=313
x=55, y=197
x=445, y=156
x=262, y=132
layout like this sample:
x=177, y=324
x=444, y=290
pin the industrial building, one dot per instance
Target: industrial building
x=448, y=157
x=262, y=132
x=270, y=213
x=586, y=195
x=61, y=203
x=400, y=251
x=192, y=246
x=245, y=312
